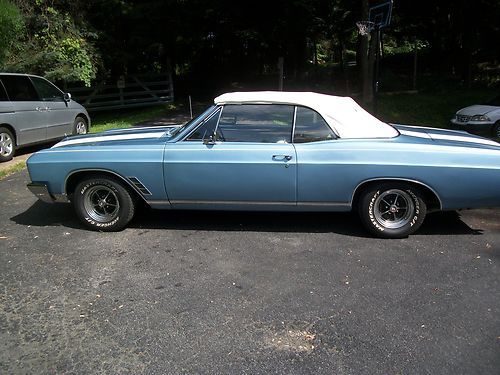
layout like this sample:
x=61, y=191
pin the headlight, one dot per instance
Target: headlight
x=480, y=118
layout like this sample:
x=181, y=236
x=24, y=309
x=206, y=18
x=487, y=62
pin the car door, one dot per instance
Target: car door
x=321, y=171
x=59, y=117
x=29, y=119
x=240, y=157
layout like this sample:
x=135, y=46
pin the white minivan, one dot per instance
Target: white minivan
x=33, y=110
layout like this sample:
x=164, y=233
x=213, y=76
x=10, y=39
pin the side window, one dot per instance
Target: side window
x=3, y=93
x=206, y=129
x=47, y=91
x=19, y=88
x=261, y=123
x=310, y=127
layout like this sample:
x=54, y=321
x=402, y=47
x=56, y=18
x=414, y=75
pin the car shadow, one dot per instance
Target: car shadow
x=43, y=214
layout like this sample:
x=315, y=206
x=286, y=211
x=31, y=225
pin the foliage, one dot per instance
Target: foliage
x=218, y=42
x=55, y=45
x=11, y=26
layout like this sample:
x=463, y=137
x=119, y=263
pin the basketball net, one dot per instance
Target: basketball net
x=365, y=27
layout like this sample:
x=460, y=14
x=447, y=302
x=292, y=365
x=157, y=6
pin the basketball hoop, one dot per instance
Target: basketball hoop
x=365, y=27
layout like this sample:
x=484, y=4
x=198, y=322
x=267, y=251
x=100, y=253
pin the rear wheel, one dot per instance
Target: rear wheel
x=6, y=144
x=392, y=210
x=103, y=203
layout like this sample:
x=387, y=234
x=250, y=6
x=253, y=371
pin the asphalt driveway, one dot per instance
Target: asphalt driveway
x=210, y=292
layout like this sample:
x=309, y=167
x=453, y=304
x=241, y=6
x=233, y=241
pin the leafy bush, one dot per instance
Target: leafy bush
x=54, y=45
x=11, y=26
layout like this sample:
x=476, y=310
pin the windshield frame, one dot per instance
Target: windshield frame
x=179, y=132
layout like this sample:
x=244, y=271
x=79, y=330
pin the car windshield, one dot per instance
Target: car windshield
x=181, y=128
x=495, y=101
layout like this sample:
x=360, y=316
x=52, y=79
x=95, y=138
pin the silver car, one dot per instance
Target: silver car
x=33, y=110
x=483, y=119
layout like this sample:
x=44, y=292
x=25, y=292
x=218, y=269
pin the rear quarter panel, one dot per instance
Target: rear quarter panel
x=463, y=177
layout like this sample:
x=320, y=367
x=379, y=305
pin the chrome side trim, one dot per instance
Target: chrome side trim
x=105, y=171
x=323, y=204
x=139, y=185
x=397, y=179
x=260, y=203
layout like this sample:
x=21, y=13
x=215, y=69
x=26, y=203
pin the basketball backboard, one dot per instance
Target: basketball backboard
x=379, y=12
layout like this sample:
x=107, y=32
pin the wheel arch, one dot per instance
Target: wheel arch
x=12, y=130
x=85, y=117
x=76, y=176
x=430, y=196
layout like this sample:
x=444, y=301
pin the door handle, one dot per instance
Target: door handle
x=282, y=157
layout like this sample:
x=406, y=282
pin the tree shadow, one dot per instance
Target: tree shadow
x=43, y=214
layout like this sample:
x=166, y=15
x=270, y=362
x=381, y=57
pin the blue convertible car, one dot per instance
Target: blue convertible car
x=281, y=151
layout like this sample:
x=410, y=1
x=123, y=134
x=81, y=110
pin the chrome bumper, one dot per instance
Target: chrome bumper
x=41, y=191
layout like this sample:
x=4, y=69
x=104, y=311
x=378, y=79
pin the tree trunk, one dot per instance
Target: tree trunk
x=366, y=66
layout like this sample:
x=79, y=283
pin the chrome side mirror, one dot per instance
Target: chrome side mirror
x=210, y=140
x=67, y=97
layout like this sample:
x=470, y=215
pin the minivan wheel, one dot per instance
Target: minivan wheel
x=6, y=144
x=80, y=126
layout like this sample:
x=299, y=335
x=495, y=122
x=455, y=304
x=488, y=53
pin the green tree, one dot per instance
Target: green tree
x=11, y=27
x=56, y=44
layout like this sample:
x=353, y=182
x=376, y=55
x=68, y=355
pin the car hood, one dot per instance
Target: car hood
x=447, y=137
x=118, y=136
x=477, y=110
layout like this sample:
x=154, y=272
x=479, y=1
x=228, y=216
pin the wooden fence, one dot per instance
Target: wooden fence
x=126, y=92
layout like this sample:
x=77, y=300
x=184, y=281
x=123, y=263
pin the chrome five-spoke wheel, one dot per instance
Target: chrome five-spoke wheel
x=101, y=203
x=392, y=209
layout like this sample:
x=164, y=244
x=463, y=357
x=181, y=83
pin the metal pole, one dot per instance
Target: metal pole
x=377, y=71
x=190, y=107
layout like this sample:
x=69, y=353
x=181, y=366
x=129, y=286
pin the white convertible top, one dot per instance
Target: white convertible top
x=343, y=114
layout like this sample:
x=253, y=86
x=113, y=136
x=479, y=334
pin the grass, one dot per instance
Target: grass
x=127, y=118
x=12, y=169
x=433, y=109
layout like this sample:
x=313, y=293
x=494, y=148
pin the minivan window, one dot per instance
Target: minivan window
x=19, y=88
x=3, y=93
x=47, y=91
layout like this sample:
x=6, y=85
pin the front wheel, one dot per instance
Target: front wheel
x=392, y=210
x=103, y=204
